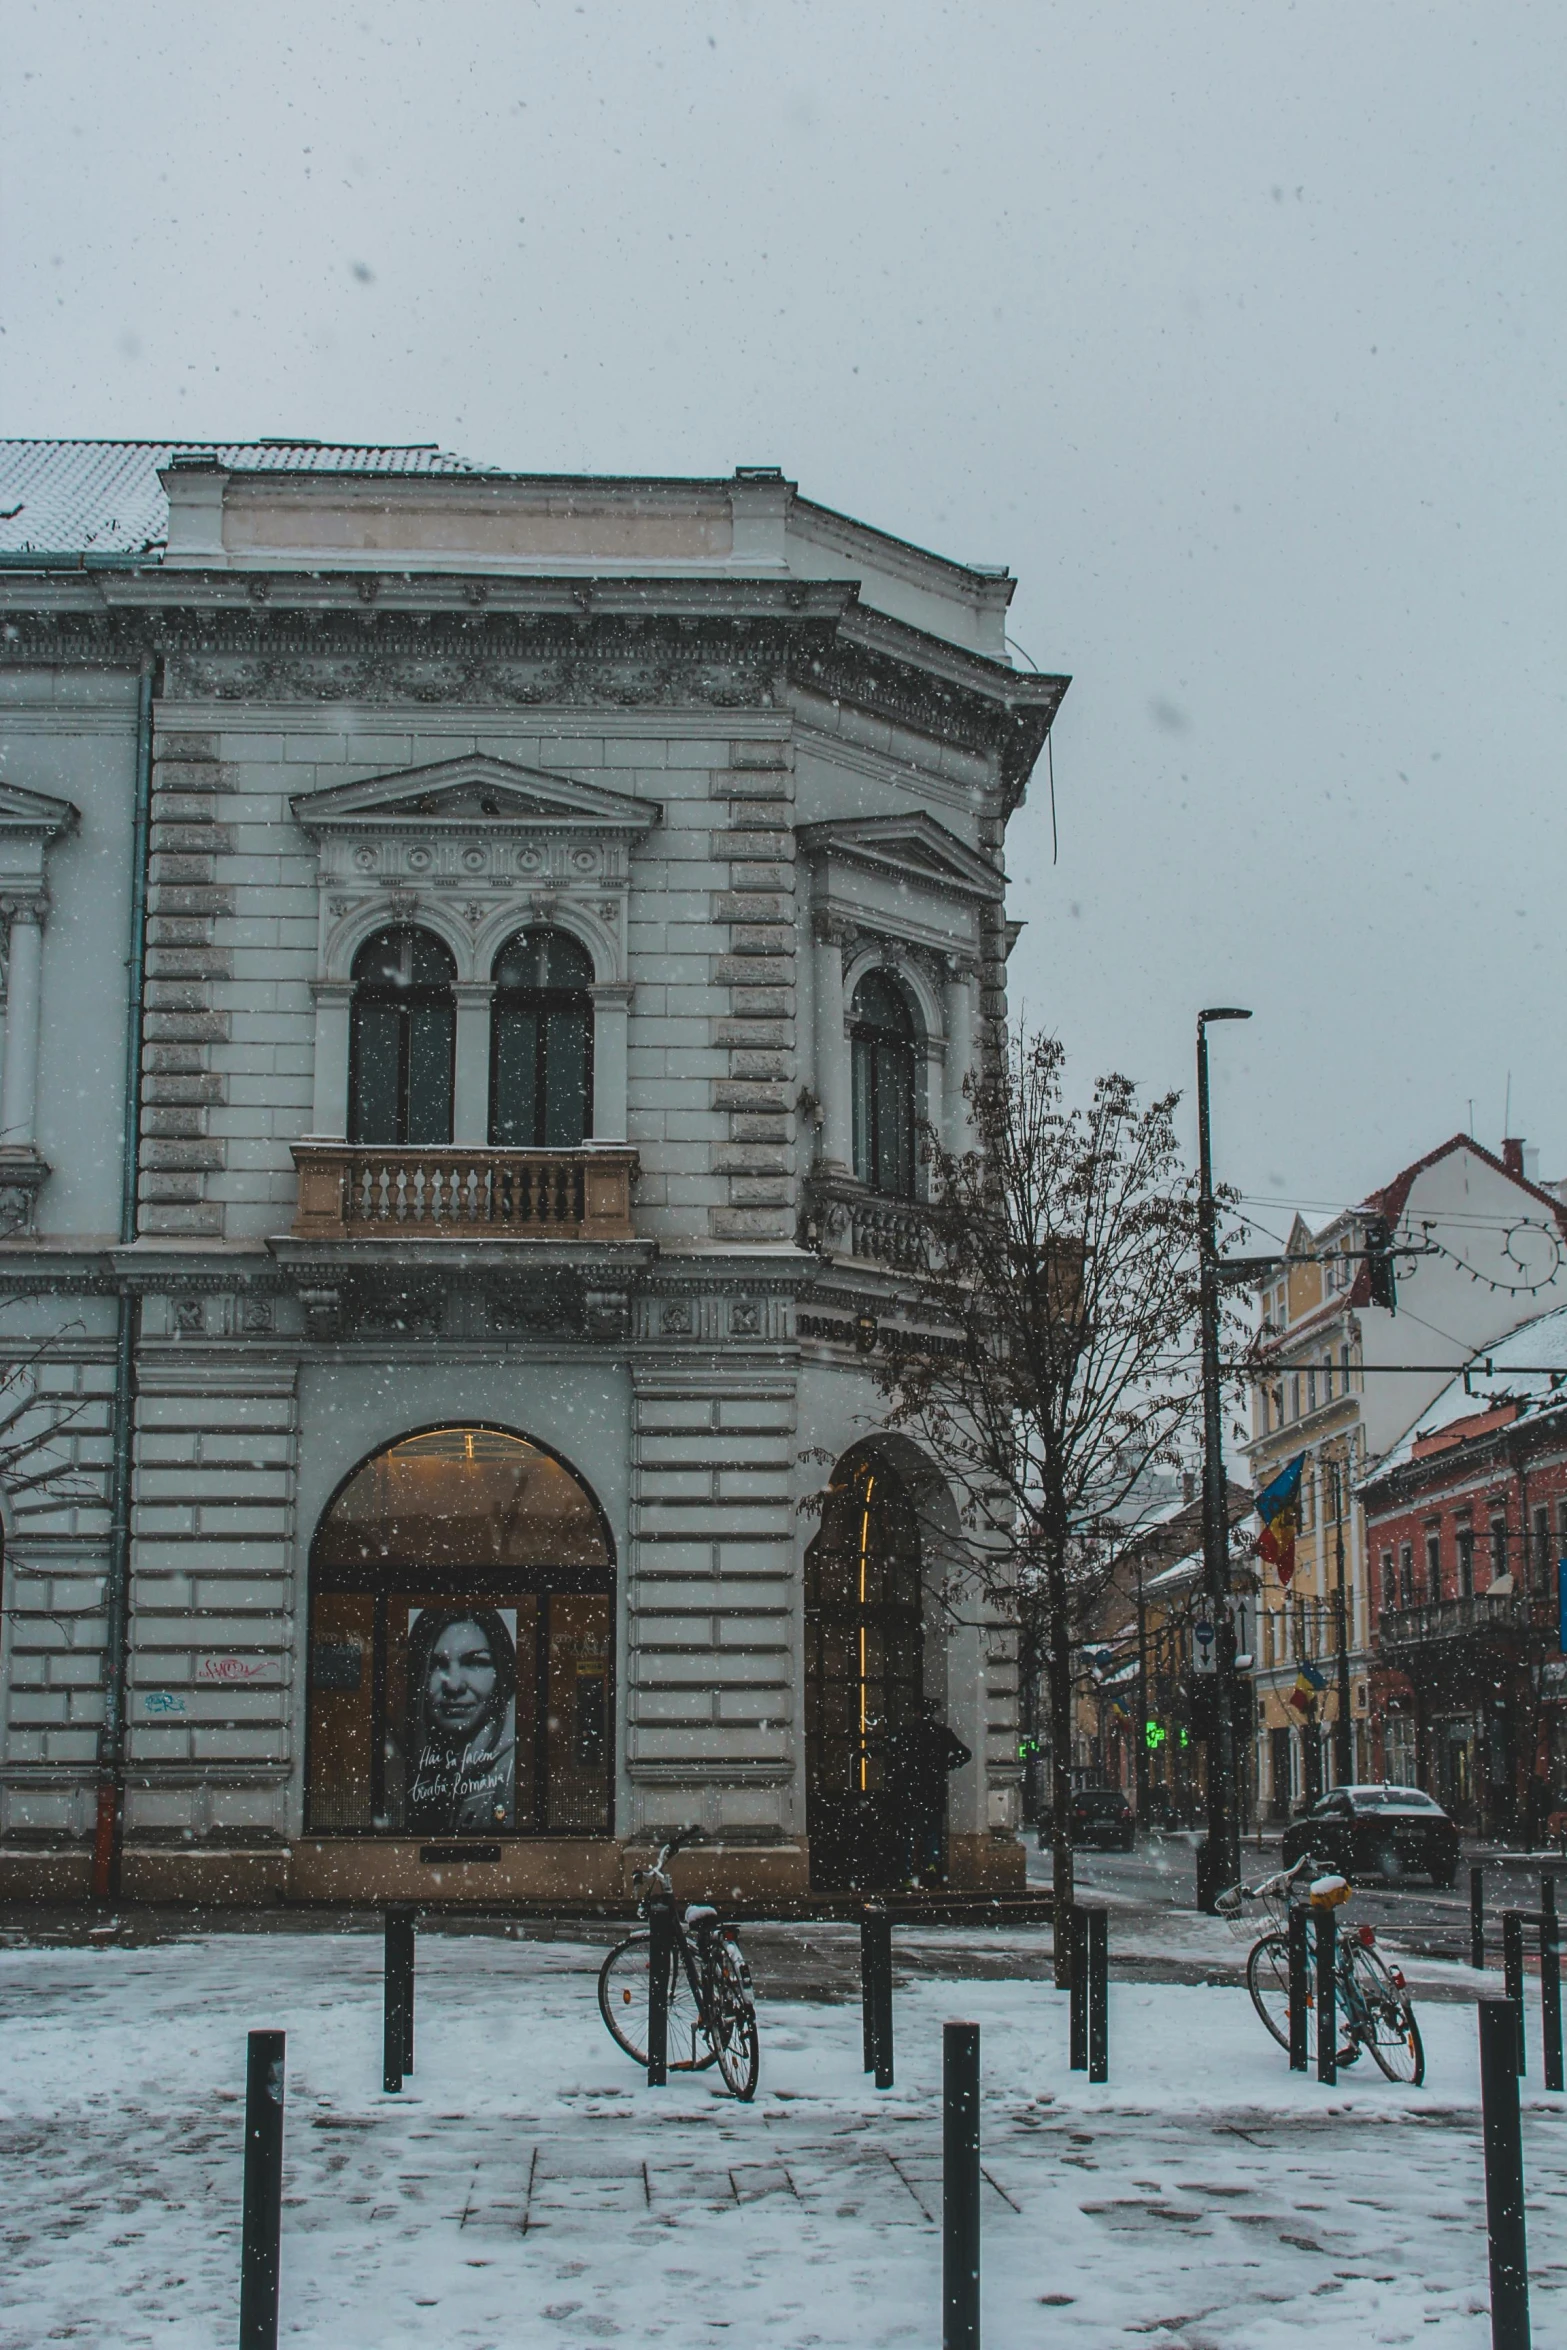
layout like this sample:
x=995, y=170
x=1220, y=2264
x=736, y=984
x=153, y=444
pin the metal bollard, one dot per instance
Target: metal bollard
x=883, y=2049
x=410, y=1944
x=868, y=1983
x=1099, y=1995
x=876, y=1990
x=394, y=2026
x=960, y=2187
x=1077, y=2029
x=1551, y=1984
x=1476, y=1915
x=1504, y=2207
x=1300, y=1990
x=1512, y=1976
x=1327, y=2001
x=660, y=1961
x=262, y=2222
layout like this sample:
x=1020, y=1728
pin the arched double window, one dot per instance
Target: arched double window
x=403, y=1038
x=882, y=1041
x=541, y=1048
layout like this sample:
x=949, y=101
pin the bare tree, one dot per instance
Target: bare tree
x=1063, y=1263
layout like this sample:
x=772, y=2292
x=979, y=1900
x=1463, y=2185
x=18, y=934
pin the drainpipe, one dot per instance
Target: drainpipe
x=108, y=1840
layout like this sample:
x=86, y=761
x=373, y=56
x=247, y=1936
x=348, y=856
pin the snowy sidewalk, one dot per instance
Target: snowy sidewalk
x=529, y=2190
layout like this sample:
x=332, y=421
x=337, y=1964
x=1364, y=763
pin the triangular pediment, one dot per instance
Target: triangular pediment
x=476, y=792
x=34, y=811
x=914, y=848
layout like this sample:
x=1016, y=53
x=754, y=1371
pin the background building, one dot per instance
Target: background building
x=1466, y=1518
x=549, y=906
x=1343, y=1379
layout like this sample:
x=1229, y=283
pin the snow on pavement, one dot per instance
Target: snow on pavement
x=529, y=2190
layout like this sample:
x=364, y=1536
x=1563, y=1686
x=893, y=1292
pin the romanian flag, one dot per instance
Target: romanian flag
x=1278, y=1506
x=1308, y=1684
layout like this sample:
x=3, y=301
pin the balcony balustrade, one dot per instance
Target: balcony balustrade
x=1445, y=1620
x=846, y=1220
x=361, y=1191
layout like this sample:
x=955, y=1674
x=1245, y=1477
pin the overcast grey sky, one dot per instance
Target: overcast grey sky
x=1236, y=330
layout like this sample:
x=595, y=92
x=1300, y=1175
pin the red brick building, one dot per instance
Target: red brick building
x=1466, y=1518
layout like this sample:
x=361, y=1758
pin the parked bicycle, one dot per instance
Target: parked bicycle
x=712, y=2007
x=1372, y=2001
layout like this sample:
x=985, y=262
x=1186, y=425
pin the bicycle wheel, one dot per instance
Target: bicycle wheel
x=1268, y=1981
x=733, y=2032
x=1391, y=2032
x=623, y=2003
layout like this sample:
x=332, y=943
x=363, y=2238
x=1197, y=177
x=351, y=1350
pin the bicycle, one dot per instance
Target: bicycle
x=1371, y=1997
x=712, y=2007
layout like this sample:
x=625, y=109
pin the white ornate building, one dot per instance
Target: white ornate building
x=520, y=922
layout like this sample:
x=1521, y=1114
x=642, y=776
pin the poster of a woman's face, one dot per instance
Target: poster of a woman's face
x=462, y=1720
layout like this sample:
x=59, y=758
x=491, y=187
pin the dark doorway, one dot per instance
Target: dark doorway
x=864, y=1673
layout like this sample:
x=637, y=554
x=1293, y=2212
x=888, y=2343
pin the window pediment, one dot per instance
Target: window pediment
x=912, y=850
x=477, y=793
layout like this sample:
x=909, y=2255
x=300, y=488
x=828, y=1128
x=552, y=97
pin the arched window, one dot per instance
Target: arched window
x=404, y=1029
x=462, y=1620
x=882, y=1033
x=541, y=1051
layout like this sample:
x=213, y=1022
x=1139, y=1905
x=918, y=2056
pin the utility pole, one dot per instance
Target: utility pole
x=1140, y=1749
x=1219, y=1855
x=1343, y=1739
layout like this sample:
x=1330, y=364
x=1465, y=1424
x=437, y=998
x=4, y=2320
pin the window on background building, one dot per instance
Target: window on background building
x=882, y=1044
x=1498, y=1549
x=1406, y=1574
x=1295, y=1395
x=1561, y=1526
x=1540, y=1545
x=541, y=1043
x=1389, y=1581
x=1434, y=1563
x=1466, y=1562
x=1327, y=1382
x=1311, y=1391
x=403, y=1031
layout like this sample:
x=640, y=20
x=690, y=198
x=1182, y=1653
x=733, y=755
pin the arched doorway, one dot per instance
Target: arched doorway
x=864, y=1671
x=461, y=1645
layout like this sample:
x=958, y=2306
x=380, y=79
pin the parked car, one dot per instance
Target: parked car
x=1377, y=1832
x=1102, y=1816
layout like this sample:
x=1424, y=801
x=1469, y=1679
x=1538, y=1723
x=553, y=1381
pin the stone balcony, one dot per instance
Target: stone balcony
x=361, y=1191
x=844, y=1219
x=1483, y=1615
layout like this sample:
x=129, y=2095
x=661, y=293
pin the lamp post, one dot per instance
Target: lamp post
x=1218, y=1856
x=1140, y=1748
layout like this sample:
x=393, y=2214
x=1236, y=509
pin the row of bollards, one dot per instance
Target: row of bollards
x=1501, y=2065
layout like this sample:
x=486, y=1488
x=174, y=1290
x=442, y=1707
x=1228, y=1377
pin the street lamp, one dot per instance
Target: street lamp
x=1219, y=1855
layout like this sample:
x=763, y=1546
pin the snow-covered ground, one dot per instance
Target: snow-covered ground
x=528, y=2189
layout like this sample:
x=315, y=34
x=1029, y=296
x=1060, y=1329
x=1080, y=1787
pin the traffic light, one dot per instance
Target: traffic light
x=1153, y=1734
x=1379, y=1262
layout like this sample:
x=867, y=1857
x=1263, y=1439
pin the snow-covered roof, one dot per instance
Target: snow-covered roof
x=1183, y=1571
x=105, y=498
x=1512, y=1374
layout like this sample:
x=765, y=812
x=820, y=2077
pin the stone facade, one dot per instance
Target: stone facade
x=741, y=751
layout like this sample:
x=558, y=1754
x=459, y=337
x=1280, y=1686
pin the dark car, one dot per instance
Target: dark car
x=1377, y=1832
x=1102, y=1816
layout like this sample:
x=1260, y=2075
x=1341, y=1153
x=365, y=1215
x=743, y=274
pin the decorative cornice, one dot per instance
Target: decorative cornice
x=715, y=644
